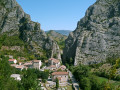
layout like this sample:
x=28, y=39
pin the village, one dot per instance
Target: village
x=58, y=70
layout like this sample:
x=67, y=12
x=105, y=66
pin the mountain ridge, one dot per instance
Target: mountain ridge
x=14, y=21
x=96, y=37
x=59, y=38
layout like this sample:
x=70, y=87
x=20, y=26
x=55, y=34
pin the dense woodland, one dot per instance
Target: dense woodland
x=91, y=78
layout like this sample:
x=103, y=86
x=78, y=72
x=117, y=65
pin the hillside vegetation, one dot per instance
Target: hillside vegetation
x=102, y=76
x=13, y=45
x=59, y=38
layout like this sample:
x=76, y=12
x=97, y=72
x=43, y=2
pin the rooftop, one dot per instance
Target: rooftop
x=20, y=66
x=54, y=60
x=26, y=64
x=60, y=73
x=63, y=66
x=15, y=75
x=11, y=59
x=36, y=61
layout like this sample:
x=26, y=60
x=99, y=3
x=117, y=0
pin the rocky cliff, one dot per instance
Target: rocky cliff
x=97, y=35
x=14, y=21
x=58, y=37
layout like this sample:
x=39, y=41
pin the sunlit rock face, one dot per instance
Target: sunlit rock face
x=97, y=35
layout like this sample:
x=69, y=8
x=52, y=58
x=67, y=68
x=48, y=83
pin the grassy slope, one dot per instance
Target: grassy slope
x=102, y=79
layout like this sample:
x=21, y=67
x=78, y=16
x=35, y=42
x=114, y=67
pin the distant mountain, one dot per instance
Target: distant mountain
x=59, y=38
x=63, y=32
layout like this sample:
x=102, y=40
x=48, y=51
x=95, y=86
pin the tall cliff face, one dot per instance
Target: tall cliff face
x=14, y=21
x=97, y=35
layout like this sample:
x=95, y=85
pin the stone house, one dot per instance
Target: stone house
x=28, y=64
x=12, y=61
x=62, y=76
x=36, y=64
x=53, y=61
x=13, y=65
x=62, y=67
x=52, y=67
x=16, y=76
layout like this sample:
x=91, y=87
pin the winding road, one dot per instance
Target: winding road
x=74, y=82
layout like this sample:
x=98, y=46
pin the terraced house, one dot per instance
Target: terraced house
x=53, y=61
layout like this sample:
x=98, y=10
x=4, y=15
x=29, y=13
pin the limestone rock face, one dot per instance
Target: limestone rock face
x=97, y=35
x=14, y=21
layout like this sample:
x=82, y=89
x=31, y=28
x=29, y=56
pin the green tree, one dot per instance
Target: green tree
x=71, y=61
x=81, y=71
x=29, y=79
x=32, y=57
x=85, y=84
x=57, y=83
x=95, y=85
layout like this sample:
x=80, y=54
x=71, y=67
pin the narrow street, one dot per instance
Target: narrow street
x=74, y=82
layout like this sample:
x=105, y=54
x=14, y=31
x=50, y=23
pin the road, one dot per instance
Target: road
x=74, y=82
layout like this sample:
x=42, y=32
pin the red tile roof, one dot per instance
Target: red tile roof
x=63, y=66
x=20, y=66
x=36, y=60
x=51, y=58
x=11, y=59
x=60, y=73
x=54, y=60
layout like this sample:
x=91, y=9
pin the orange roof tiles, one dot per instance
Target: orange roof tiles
x=54, y=60
x=60, y=73
x=11, y=59
x=63, y=66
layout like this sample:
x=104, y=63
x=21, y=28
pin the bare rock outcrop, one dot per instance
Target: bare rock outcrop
x=97, y=35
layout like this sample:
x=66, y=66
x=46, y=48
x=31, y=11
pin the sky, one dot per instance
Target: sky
x=56, y=14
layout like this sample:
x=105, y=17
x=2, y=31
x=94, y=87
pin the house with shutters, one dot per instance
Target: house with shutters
x=62, y=76
x=53, y=61
x=36, y=64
